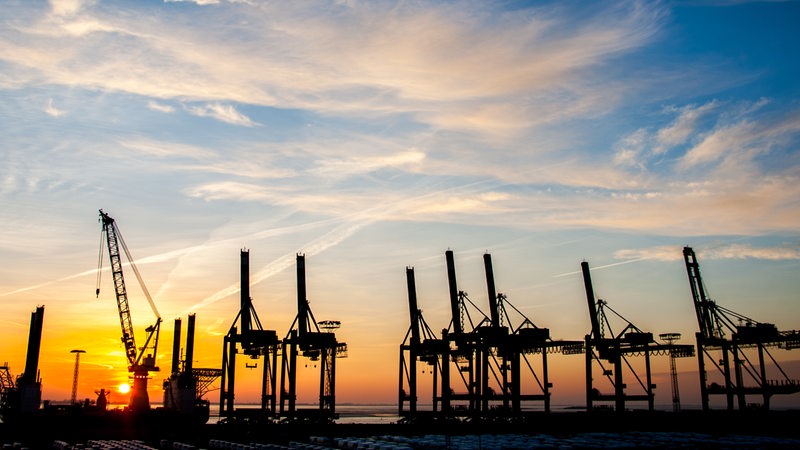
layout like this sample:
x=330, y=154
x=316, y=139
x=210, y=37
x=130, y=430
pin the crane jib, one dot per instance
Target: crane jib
x=136, y=357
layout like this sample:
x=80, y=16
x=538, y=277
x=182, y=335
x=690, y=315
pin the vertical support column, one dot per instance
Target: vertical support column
x=273, y=380
x=223, y=377
x=765, y=389
x=446, y=373
x=413, y=348
x=188, y=365
x=649, y=377
x=701, y=368
x=302, y=299
x=484, y=393
x=726, y=365
x=516, y=381
x=176, y=347
x=589, y=387
x=546, y=379
x=737, y=369
x=231, y=371
x=244, y=283
x=493, y=307
x=292, y=372
x=266, y=378
x=619, y=384
x=451, y=281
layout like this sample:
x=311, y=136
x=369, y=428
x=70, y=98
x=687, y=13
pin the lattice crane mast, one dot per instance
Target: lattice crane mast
x=142, y=360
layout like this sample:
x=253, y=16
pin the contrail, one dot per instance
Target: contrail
x=322, y=243
x=174, y=254
x=603, y=267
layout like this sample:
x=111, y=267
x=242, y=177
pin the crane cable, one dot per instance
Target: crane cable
x=130, y=262
x=99, y=264
x=136, y=271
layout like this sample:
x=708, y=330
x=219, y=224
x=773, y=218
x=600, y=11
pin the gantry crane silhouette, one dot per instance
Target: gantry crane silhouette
x=617, y=349
x=727, y=340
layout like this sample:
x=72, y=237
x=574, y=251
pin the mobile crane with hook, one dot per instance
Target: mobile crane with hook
x=141, y=361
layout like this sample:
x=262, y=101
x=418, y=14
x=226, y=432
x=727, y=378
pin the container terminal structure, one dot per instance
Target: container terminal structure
x=317, y=342
x=617, y=350
x=738, y=349
x=491, y=355
x=255, y=343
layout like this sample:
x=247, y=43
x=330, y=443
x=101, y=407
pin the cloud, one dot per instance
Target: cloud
x=160, y=107
x=342, y=167
x=541, y=59
x=684, y=126
x=729, y=251
x=51, y=110
x=223, y=113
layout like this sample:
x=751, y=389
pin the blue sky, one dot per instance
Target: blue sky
x=376, y=135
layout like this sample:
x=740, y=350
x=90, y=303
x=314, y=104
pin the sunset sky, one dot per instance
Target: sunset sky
x=375, y=135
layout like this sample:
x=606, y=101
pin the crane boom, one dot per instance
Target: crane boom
x=111, y=234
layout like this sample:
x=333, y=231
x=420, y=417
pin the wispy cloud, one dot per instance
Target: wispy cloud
x=160, y=107
x=51, y=110
x=729, y=251
x=338, y=61
x=223, y=113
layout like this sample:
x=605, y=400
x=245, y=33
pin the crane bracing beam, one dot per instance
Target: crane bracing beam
x=141, y=360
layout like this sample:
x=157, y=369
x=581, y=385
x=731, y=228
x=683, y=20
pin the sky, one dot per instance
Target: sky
x=375, y=135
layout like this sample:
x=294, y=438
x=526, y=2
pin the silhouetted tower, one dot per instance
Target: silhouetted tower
x=306, y=338
x=419, y=344
x=726, y=338
x=74, y=397
x=671, y=338
x=506, y=346
x=29, y=384
x=254, y=342
x=186, y=386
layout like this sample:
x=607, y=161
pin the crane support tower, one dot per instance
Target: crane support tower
x=24, y=395
x=603, y=347
x=509, y=349
x=738, y=347
x=254, y=342
x=491, y=356
x=317, y=342
x=420, y=344
x=141, y=361
x=187, y=385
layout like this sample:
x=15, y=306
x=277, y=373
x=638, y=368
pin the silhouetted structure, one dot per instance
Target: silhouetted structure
x=24, y=395
x=420, y=344
x=141, y=360
x=491, y=356
x=254, y=342
x=306, y=338
x=617, y=349
x=728, y=340
x=186, y=386
x=74, y=396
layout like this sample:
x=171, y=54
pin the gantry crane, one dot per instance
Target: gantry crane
x=419, y=344
x=730, y=335
x=142, y=360
x=316, y=341
x=255, y=342
x=602, y=344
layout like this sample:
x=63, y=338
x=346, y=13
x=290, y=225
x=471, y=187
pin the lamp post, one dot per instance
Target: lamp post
x=75, y=374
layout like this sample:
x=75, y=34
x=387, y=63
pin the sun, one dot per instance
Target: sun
x=124, y=388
